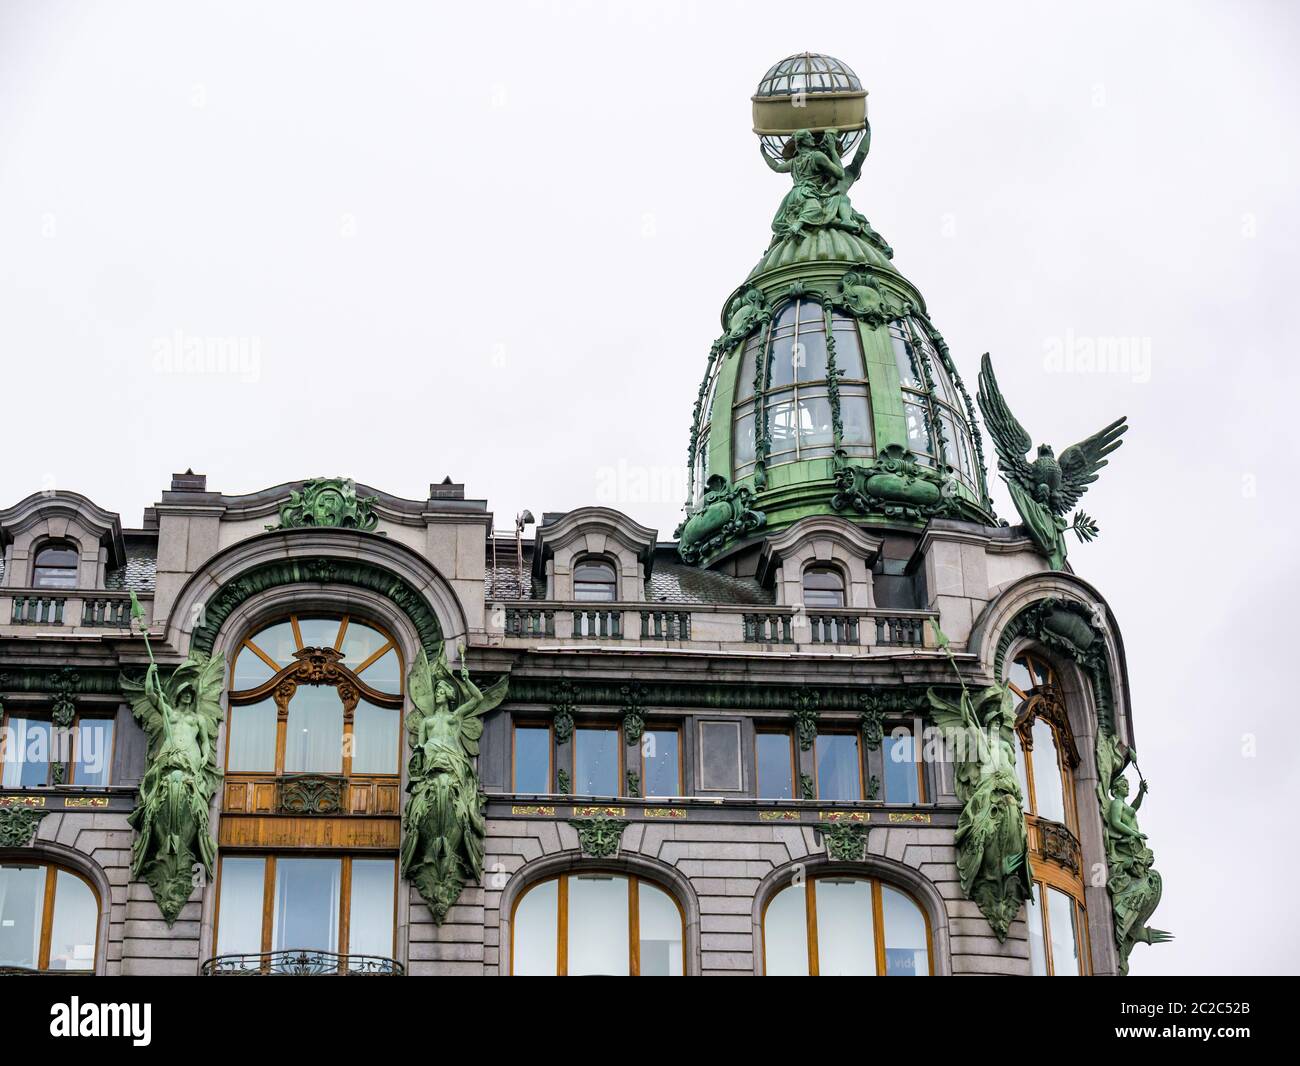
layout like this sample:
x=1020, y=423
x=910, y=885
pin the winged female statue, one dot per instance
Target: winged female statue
x=1135, y=888
x=442, y=845
x=180, y=717
x=1046, y=488
x=992, y=843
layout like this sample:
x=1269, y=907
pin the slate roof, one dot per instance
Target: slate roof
x=140, y=570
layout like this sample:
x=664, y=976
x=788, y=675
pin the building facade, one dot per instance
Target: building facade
x=843, y=721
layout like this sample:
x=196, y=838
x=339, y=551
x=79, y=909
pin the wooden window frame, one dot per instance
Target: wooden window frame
x=271, y=689
x=1063, y=742
x=918, y=760
x=671, y=727
x=832, y=729
x=877, y=920
x=788, y=734
x=268, y=893
x=620, y=781
x=525, y=723
x=1050, y=879
x=48, y=890
x=562, y=917
x=42, y=713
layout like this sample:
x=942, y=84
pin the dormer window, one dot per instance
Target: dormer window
x=823, y=586
x=56, y=566
x=594, y=581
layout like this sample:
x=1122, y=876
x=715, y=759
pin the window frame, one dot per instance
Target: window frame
x=600, y=726
x=819, y=567
x=596, y=560
x=57, y=544
x=788, y=734
x=532, y=723
x=44, y=713
x=1049, y=879
x=634, y=882
x=809, y=890
x=1032, y=705
x=918, y=761
x=48, y=902
x=834, y=729
x=266, y=690
x=269, y=889
x=676, y=729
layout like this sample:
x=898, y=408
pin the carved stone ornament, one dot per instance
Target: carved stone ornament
x=1059, y=845
x=633, y=718
x=562, y=708
x=724, y=513
x=861, y=295
x=328, y=503
x=600, y=835
x=311, y=794
x=846, y=841
x=894, y=485
x=18, y=825
x=807, y=708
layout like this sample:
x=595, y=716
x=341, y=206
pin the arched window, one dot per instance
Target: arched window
x=316, y=695
x=49, y=919
x=597, y=923
x=56, y=566
x=823, y=586
x=700, y=473
x=836, y=926
x=594, y=581
x=799, y=418
x=931, y=404
x=1058, y=921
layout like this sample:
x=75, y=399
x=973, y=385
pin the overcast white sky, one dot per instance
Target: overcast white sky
x=492, y=241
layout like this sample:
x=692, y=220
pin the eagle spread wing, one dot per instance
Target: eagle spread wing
x=1080, y=463
x=1010, y=440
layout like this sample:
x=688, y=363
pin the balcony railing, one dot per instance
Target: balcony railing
x=72, y=609
x=665, y=625
x=603, y=623
x=299, y=962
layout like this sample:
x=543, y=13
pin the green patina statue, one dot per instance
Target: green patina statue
x=1045, y=489
x=1134, y=886
x=180, y=717
x=443, y=826
x=328, y=503
x=820, y=196
x=724, y=512
x=991, y=839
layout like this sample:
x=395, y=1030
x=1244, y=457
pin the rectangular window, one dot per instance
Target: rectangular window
x=598, y=904
x=661, y=762
x=314, y=736
x=94, y=751
x=243, y=881
x=370, y=921
x=902, y=768
x=252, y=737
x=774, y=760
x=306, y=904
x=28, y=747
x=375, y=734
x=839, y=768
x=532, y=759
x=720, y=756
x=596, y=762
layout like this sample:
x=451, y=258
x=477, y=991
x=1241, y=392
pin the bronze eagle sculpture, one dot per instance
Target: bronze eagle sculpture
x=1045, y=488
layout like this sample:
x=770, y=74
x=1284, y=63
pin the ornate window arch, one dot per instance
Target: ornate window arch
x=49, y=918
x=593, y=920
x=846, y=924
x=1048, y=759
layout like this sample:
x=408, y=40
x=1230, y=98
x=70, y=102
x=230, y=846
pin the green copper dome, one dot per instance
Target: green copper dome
x=829, y=390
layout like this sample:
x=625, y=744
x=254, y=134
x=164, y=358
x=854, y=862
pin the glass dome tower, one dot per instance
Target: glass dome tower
x=829, y=391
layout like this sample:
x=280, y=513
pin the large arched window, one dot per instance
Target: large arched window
x=1058, y=920
x=794, y=373
x=55, y=566
x=931, y=404
x=49, y=919
x=314, y=695
x=835, y=926
x=597, y=923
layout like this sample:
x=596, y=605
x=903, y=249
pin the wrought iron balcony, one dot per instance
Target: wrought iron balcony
x=301, y=962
